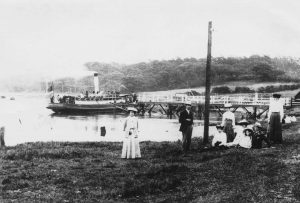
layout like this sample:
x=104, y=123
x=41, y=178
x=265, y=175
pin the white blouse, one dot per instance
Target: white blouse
x=276, y=106
x=219, y=137
x=228, y=115
x=131, y=122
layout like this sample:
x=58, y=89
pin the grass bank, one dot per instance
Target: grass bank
x=94, y=172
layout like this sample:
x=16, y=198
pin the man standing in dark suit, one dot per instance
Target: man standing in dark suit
x=186, y=119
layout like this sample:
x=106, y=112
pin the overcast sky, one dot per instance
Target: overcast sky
x=48, y=36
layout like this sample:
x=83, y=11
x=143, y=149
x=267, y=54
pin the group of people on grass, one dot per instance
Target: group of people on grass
x=228, y=134
x=241, y=135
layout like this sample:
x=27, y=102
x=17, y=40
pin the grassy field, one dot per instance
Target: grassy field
x=94, y=172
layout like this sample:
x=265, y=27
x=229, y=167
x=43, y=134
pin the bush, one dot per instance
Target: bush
x=271, y=88
x=221, y=90
x=243, y=90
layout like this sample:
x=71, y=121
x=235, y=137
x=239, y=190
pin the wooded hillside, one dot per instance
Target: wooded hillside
x=188, y=73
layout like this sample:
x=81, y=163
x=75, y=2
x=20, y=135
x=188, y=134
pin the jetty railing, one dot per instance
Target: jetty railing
x=234, y=99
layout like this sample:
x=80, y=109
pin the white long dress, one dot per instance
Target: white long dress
x=131, y=146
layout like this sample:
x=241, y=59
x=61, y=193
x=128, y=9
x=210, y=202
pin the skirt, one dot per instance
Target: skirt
x=131, y=147
x=228, y=129
x=275, y=128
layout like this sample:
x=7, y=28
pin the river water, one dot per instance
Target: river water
x=27, y=119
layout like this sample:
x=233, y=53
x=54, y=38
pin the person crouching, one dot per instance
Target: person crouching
x=259, y=136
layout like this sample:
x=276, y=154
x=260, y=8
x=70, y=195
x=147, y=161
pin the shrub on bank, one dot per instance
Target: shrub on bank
x=243, y=90
x=221, y=90
x=271, y=88
x=265, y=89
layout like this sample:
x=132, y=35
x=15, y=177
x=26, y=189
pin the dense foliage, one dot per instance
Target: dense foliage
x=266, y=89
x=188, y=73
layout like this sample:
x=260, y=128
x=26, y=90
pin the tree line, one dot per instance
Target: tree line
x=189, y=73
x=265, y=89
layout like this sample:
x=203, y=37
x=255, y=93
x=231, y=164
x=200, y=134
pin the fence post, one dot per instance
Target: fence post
x=2, y=133
x=256, y=98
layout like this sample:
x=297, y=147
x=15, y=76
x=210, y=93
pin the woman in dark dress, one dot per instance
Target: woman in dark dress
x=275, y=116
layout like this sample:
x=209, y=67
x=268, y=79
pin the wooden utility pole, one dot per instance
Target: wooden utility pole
x=207, y=86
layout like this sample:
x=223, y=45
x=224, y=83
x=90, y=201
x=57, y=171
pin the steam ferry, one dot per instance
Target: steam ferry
x=97, y=102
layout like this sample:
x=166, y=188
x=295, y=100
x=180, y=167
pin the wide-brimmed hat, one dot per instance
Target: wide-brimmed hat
x=247, y=129
x=188, y=103
x=132, y=109
x=276, y=96
x=219, y=127
x=227, y=105
x=243, y=122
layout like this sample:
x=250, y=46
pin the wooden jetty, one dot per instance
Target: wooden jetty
x=255, y=105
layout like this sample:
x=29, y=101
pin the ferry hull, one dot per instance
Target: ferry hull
x=84, y=108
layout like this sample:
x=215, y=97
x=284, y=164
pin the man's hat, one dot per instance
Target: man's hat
x=188, y=103
x=227, y=105
x=243, y=122
x=132, y=109
x=219, y=127
x=276, y=96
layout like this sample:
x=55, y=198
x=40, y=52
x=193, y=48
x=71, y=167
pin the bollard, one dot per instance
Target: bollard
x=2, y=142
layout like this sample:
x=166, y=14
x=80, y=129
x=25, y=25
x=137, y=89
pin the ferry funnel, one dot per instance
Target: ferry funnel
x=96, y=82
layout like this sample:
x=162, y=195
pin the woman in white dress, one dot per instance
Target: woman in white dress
x=131, y=146
x=243, y=140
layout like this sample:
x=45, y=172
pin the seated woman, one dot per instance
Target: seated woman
x=220, y=138
x=258, y=136
x=243, y=140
